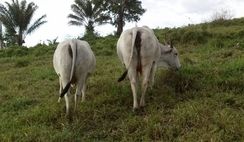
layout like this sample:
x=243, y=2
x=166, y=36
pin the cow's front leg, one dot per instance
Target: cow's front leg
x=152, y=74
x=83, y=93
x=84, y=88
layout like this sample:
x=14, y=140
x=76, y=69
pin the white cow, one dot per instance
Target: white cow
x=73, y=61
x=140, y=51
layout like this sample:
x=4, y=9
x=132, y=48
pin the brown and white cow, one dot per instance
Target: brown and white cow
x=141, y=53
x=73, y=61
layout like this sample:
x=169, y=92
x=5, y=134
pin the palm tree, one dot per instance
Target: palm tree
x=1, y=35
x=122, y=11
x=88, y=13
x=16, y=18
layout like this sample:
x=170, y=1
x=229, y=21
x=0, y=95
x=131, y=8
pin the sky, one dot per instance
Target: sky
x=159, y=14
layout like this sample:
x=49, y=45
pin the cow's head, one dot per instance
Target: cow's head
x=169, y=57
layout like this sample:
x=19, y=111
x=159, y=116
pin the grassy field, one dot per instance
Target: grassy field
x=204, y=101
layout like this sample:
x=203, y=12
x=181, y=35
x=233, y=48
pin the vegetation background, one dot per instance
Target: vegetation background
x=204, y=101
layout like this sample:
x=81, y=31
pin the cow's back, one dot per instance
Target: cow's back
x=63, y=55
x=149, y=46
x=85, y=58
x=124, y=46
x=62, y=60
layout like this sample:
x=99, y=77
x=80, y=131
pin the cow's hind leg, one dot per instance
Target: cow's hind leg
x=61, y=86
x=66, y=96
x=145, y=82
x=84, y=88
x=133, y=82
x=79, y=91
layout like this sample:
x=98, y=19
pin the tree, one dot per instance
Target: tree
x=124, y=10
x=88, y=13
x=222, y=15
x=16, y=18
x=1, y=35
x=52, y=42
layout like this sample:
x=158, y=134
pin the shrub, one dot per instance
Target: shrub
x=195, y=37
x=217, y=43
x=40, y=50
x=22, y=63
x=104, y=46
x=240, y=34
x=14, y=51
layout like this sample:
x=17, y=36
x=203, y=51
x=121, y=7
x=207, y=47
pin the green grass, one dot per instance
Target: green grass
x=204, y=101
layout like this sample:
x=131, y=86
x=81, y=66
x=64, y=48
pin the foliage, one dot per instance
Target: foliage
x=229, y=33
x=121, y=11
x=116, y=12
x=88, y=13
x=53, y=42
x=22, y=63
x=16, y=18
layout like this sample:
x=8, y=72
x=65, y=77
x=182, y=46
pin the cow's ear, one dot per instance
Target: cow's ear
x=169, y=51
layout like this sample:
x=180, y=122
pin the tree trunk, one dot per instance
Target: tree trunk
x=120, y=25
x=20, y=38
x=1, y=44
x=1, y=36
x=120, y=19
x=90, y=28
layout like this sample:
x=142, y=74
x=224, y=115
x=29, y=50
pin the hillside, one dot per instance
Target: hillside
x=204, y=101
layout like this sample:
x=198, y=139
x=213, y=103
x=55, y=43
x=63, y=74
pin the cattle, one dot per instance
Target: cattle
x=141, y=53
x=73, y=61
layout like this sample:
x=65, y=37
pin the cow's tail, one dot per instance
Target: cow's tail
x=72, y=49
x=123, y=76
x=136, y=44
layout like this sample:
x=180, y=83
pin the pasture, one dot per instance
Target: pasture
x=203, y=101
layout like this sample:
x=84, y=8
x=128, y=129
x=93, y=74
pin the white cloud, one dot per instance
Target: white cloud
x=57, y=22
x=201, y=6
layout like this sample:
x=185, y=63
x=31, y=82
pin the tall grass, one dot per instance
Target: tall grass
x=203, y=101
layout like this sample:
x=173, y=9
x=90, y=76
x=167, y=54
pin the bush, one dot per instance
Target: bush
x=217, y=43
x=188, y=35
x=14, y=51
x=104, y=46
x=240, y=34
x=41, y=49
x=187, y=79
x=195, y=37
x=22, y=63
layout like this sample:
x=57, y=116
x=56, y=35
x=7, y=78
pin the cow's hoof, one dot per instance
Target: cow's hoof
x=142, y=107
x=135, y=109
x=142, y=103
